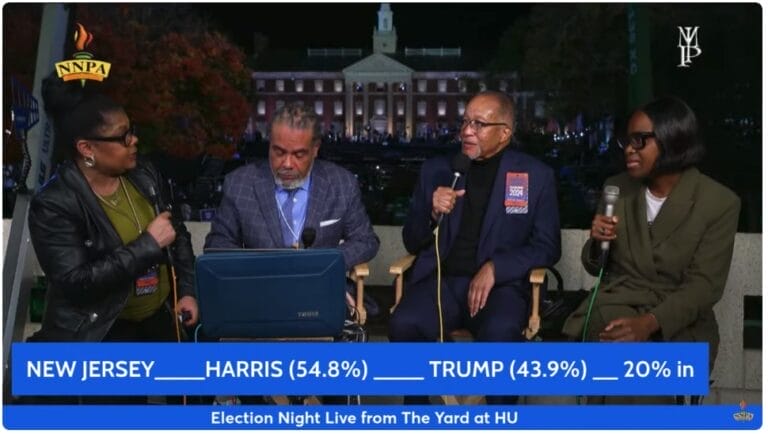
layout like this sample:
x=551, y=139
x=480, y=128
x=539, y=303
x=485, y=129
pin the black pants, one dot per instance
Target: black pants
x=158, y=327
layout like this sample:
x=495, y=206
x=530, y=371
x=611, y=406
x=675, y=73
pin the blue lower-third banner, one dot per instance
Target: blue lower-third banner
x=383, y=417
x=366, y=369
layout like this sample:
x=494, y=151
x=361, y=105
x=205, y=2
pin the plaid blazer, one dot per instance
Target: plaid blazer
x=248, y=216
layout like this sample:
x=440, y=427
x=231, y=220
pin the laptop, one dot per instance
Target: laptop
x=287, y=293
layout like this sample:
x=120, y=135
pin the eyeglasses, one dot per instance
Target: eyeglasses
x=122, y=139
x=635, y=140
x=476, y=125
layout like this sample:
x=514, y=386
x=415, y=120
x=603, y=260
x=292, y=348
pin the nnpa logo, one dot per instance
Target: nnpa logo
x=743, y=415
x=83, y=66
x=688, y=43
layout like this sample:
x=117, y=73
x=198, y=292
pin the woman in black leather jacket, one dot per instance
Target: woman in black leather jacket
x=96, y=233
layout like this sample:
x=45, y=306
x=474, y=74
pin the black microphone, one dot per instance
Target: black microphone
x=308, y=237
x=610, y=196
x=460, y=164
x=156, y=206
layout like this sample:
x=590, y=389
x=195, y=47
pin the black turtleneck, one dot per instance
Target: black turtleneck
x=462, y=259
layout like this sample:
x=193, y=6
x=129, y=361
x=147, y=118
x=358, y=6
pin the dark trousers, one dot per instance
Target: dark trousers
x=416, y=318
x=158, y=327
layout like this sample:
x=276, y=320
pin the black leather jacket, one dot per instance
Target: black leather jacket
x=90, y=271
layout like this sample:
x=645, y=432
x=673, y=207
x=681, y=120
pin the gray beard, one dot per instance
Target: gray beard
x=293, y=184
x=289, y=185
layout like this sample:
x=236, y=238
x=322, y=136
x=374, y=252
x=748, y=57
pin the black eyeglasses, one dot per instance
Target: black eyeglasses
x=476, y=125
x=635, y=140
x=123, y=139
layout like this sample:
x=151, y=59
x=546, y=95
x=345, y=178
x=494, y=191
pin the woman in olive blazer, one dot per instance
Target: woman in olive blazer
x=671, y=238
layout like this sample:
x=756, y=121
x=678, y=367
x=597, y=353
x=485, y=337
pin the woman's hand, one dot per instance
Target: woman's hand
x=188, y=304
x=604, y=228
x=630, y=329
x=162, y=230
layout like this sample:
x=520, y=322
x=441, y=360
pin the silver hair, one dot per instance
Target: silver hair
x=297, y=116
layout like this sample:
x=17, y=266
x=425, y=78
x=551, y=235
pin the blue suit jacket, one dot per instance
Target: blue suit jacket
x=248, y=216
x=514, y=242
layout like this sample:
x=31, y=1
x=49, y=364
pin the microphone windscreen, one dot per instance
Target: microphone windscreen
x=610, y=194
x=461, y=163
x=308, y=237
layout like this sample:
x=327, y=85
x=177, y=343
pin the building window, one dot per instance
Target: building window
x=460, y=105
x=260, y=85
x=441, y=108
x=421, y=108
x=400, y=108
x=481, y=85
x=380, y=86
x=503, y=85
x=318, y=85
x=261, y=108
x=442, y=86
x=299, y=85
x=463, y=86
x=279, y=104
x=338, y=86
x=338, y=108
x=422, y=85
x=280, y=85
x=358, y=108
x=378, y=107
x=319, y=107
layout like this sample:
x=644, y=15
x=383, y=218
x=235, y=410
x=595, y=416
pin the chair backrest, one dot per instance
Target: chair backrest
x=271, y=293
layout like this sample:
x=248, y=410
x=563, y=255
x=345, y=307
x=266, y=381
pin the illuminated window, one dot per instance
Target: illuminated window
x=358, y=108
x=338, y=86
x=442, y=86
x=461, y=108
x=299, y=85
x=338, y=108
x=380, y=86
x=261, y=108
x=503, y=85
x=260, y=85
x=462, y=86
x=280, y=85
x=421, y=108
x=441, y=108
x=378, y=107
x=319, y=107
x=400, y=108
x=318, y=85
x=422, y=85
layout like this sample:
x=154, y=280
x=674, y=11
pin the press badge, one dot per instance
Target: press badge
x=516, y=193
x=147, y=284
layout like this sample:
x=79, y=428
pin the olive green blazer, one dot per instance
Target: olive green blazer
x=675, y=268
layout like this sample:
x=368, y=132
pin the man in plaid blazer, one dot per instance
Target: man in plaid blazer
x=255, y=211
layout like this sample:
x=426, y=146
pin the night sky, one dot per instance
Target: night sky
x=418, y=25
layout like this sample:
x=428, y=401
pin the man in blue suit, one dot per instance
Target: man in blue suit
x=270, y=204
x=500, y=221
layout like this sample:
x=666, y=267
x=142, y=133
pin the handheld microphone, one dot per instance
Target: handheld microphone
x=156, y=206
x=460, y=164
x=610, y=196
x=308, y=237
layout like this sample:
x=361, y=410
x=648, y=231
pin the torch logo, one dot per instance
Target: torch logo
x=83, y=66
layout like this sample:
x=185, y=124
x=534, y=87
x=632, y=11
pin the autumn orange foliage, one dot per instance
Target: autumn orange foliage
x=184, y=87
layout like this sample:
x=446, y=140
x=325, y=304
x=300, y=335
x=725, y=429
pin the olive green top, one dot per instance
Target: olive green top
x=124, y=218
